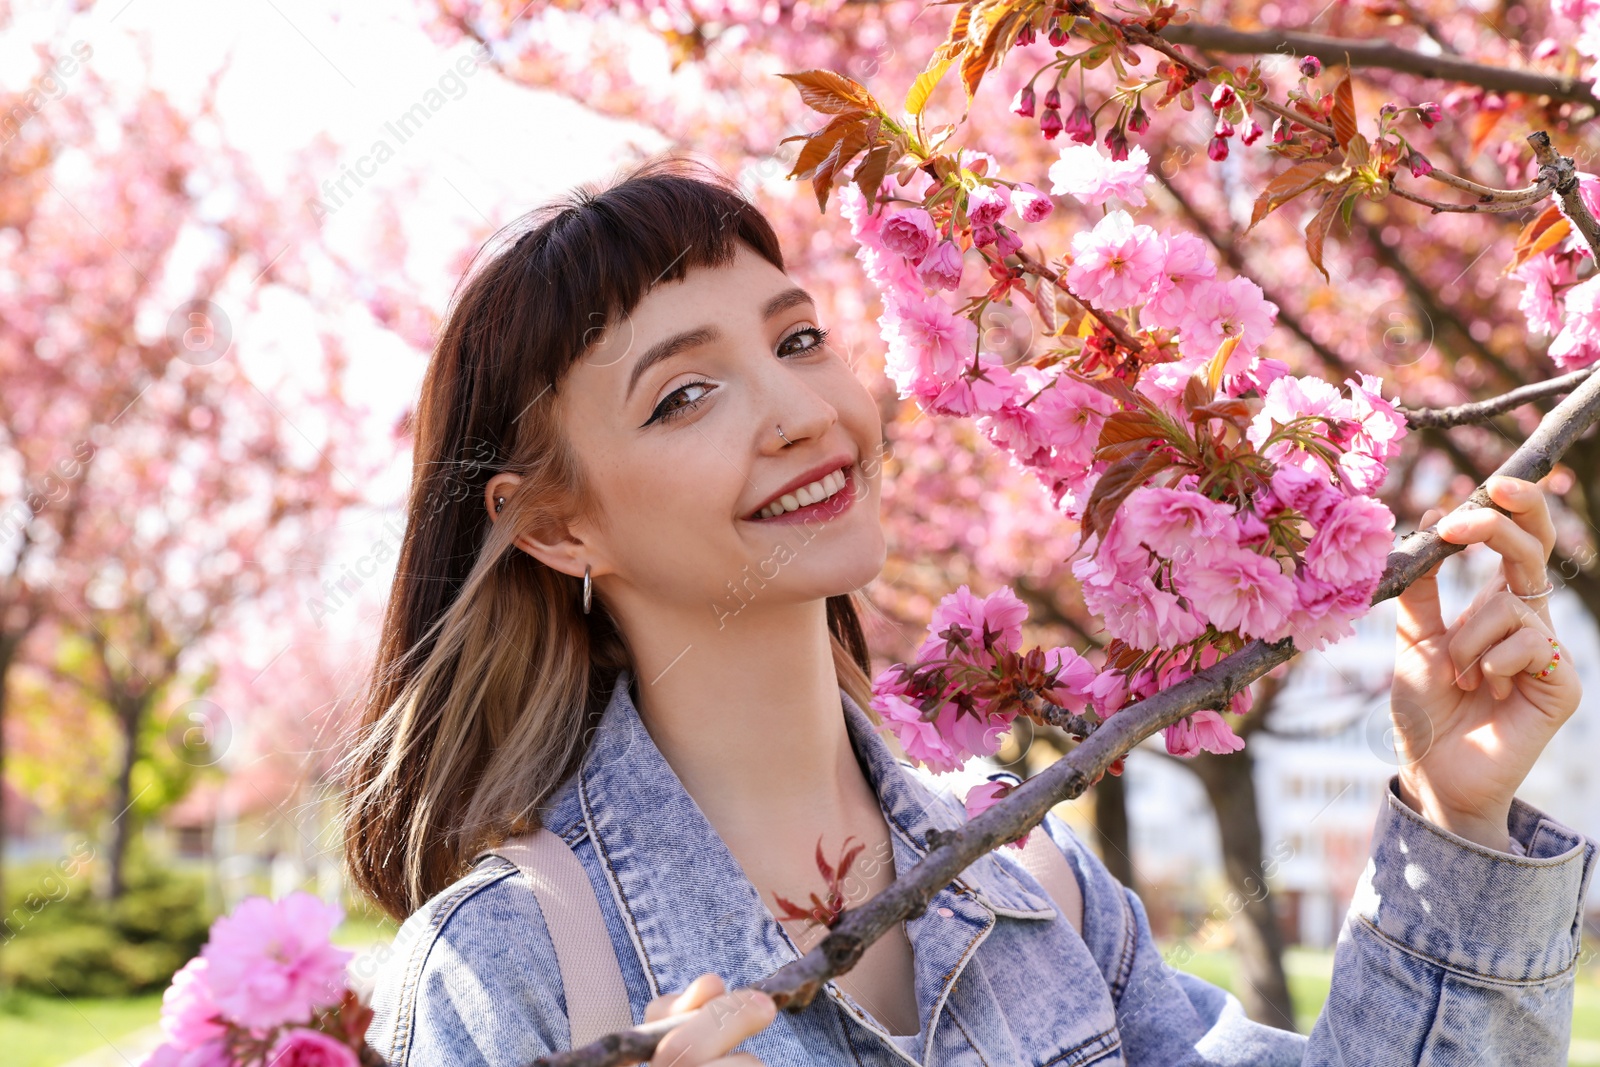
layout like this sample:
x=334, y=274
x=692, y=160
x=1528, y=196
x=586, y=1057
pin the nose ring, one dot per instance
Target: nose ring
x=785, y=437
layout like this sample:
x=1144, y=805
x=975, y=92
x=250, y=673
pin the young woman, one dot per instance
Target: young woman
x=600, y=626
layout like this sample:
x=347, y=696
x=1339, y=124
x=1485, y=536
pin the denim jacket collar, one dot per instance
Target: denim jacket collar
x=690, y=908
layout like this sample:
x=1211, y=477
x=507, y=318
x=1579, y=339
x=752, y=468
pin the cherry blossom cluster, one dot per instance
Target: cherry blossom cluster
x=1242, y=504
x=1555, y=301
x=268, y=988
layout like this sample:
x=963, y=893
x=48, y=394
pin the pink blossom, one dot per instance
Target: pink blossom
x=1578, y=343
x=1116, y=263
x=995, y=619
x=270, y=962
x=1074, y=675
x=980, y=798
x=1185, y=263
x=188, y=1012
x=1539, y=277
x=1236, y=589
x=944, y=744
x=1108, y=692
x=1030, y=204
x=987, y=203
x=210, y=1054
x=909, y=232
x=889, y=270
x=1007, y=243
x=1313, y=496
x=1171, y=520
x=1381, y=426
x=941, y=268
x=1352, y=545
x=1084, y=172
x=1219, y=310
x=1324, y=612
x=992, y=391
x=1203, y=731
x=925, y=340
x=308, y=1048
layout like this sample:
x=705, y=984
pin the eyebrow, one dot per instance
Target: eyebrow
x=704, y=335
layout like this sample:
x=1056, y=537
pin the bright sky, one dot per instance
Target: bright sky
x=297, y=69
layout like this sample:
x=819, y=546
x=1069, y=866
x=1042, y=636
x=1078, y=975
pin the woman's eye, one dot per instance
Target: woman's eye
x=818, y=334
x=668, y=409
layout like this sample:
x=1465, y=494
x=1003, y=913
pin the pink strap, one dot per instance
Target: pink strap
x=597, y=1003
x=1050, y=869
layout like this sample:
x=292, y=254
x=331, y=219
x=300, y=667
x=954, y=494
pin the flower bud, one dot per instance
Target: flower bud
x=1022, y=103
x=1139, y=120
x=1050, y=123
x=1224, y=128
x=1280, y=131
x=1252, y=133
x=1420, y=167
x=1310, y=66
x=1080, y=124
x=1117, y=143
x=1222, y=96
x=1052, y=99
x=1026, y=35
x=1007, y=243
x=1057, y=35
x=1430, y=113
x=1217, y=149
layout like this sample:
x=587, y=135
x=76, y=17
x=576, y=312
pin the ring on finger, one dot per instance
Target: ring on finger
x=1549, y=668
x=1540, y=595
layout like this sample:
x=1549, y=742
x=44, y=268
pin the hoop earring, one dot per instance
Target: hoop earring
x=587, y=589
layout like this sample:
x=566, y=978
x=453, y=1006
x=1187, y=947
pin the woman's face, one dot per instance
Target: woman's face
x=674, y=417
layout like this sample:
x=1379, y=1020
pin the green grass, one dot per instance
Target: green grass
x=38, y=1031
x=1310, y=971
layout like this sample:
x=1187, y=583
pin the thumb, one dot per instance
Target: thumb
x=1419, y=617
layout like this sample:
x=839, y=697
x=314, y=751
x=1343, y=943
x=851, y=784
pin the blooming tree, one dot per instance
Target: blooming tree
x=1225, y=507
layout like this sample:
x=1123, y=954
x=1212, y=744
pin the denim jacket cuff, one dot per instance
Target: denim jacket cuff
x=1470, y=908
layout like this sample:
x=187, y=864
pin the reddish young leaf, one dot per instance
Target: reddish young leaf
x=832, y=94
x=1344, y=111
x=1317, y=229
x=1286, y=186
x=1542, y=234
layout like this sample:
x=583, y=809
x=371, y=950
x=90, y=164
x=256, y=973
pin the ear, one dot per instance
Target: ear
x=568, y=548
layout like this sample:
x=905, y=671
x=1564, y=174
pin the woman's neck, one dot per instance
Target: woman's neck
x=748, y=716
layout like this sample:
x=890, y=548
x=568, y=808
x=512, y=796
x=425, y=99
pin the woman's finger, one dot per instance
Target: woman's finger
x=690, y=997
x=715, y=1028
x=1418, y=616
x=1527, y=650
x=1528, y=505
x=1497, y=618
x=1522, y=554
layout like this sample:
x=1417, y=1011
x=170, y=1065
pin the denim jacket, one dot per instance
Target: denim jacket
x=1451, y=954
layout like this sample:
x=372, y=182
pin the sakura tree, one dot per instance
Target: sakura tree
x=153, y=486
x=1224, y=511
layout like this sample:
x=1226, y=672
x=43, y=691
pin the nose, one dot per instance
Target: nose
x=799, y=411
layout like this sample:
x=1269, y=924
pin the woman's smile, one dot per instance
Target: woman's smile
x=811, y=497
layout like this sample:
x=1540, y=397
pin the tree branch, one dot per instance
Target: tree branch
x=1382, y=55
x=1482, y=410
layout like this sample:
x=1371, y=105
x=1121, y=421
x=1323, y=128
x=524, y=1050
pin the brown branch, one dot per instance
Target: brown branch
x=796, y=984
x=1382, y=55
x=1118, y=328
x=1563, y=177
x=1483, y=410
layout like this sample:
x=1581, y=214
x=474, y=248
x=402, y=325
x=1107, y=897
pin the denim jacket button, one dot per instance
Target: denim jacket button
x=946, y=912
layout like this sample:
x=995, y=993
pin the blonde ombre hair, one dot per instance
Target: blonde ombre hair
x=489, y=676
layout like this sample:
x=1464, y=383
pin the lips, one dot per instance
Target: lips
x=816, y=473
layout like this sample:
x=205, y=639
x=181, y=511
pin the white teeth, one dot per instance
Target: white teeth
x=806, y=495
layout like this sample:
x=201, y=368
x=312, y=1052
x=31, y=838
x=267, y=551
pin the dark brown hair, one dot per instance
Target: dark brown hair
x=488, y=673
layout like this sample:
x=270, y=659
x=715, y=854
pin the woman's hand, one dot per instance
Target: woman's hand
x=721, y=1022
x=1470, y=715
